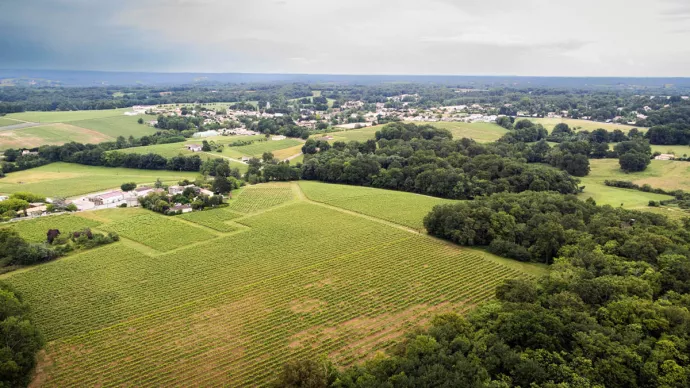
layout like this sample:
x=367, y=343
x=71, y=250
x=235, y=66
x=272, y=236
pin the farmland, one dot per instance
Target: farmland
x=299, y=278
x=584, y=125
x=395, y=206
x=215, y=219
x=52, y=134
x=62, y=117
x=35, y=230
x=67, y=179
x=480, y=132
x=117, y=126
x=5, y=122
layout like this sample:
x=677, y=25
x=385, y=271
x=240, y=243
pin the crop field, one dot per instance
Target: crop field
x=287, y=152
x=261, y=197
x=157, y=231
x=5, y=122
x=61, y=117
x=215, y=219
x=35, y=230
x=583, y=125
x=118, y=126
x=52, y=134
x=300, y=279
x=361, y=135
x=402, y=208
x=67, y=179
x=479, y=132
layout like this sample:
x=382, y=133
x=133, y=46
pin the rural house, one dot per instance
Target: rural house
x=194, y=147
x=109, y=198
x=182, y=208
x=142, y=191
x=665, y=157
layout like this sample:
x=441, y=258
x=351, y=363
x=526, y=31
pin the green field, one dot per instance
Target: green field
x=67, y=179
x=669, y=175
x=583, y=125
x=61, y=117
x=299, y=279
x=256, y=198
x=677, y=150
x=215, y=219
x=53, y=134
x=402, y=208
x=36, y=230
x=5, y=122
x=361, y=135
x=118, y=126
x=258, y=148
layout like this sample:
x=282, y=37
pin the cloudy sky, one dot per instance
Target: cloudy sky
x=463, y=37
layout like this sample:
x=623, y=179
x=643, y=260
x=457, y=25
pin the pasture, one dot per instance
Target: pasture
x=258, y=148
x=5, y=122
x=68, y=180
x=581, y=125
x=677, y=150
x=65, y=116
x=399, y=207
x=35, y=230
x=298, y=279
x=361, y=135
x=51, y=134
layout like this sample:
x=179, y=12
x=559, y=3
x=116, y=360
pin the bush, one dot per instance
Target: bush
x=128, y=186
x=634, y=161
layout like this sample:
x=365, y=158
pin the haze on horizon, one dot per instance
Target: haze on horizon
x=450, y=37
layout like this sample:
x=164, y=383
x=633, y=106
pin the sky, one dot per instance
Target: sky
x=632, y=38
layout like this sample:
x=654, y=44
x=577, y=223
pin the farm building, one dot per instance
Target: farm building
x=208, y=133
x=109, y=198
x=37, y=210
x=206, y=192
x=194, y=147
x=245, y=158
x=182, y=208
x=665, y=157
x=279, y=137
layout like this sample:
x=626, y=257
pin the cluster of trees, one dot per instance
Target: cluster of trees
x=163, y=203
x=536, y=226
x=17, y=203
x=268, y=168
x=613, y=312
x=20, y=339
x=425, y=159
x=278, y=126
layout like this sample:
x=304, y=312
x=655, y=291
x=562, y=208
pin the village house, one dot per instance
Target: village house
x=182, y=208
x=142, y=191
x=206, y=192
x=27, y=152
x=194, y=147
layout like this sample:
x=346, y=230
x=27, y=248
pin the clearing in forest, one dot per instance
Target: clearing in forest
x=297, y=279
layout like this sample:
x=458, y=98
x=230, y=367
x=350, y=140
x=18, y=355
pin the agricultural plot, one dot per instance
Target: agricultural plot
x=35, y=230
x=53, y=134
x=118, y=126
x=302, y=279
x=677, y=150
x=402, y=208
x=158, y=232
x=361, y=135
x=261, y=197
x=67, y=179
x=62, y=117
x=215, y=219
x=581, y=125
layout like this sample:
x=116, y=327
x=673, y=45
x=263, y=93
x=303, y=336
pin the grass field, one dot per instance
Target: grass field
x=583, y=125
x=678, y=150
x=53, y=134
x=36, y=230
x=258, y=148
x=61, y=117
x=299, y=279
x=5, y=122
x=480, y=132
x=402, y=208
x=118, y=126
x=362, y=134
x=67, y=179
x=668, y=175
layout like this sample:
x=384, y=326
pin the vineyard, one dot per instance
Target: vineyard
x=35, y=230
x=215, y=219
x=229, y=309
x=158, y=232
x=261, y=197
x=395, y=206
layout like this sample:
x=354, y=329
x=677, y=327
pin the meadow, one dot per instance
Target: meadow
x=36, y=229
x=581, y=125
x=51, y=134
x=677, y=150
x=480, y=132
x=258, y=148
x=5, y=122
x=68, y=179
x=298, y=278
x=399, y=207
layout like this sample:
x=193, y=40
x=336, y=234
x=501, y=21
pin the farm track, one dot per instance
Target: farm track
x=21, y=126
